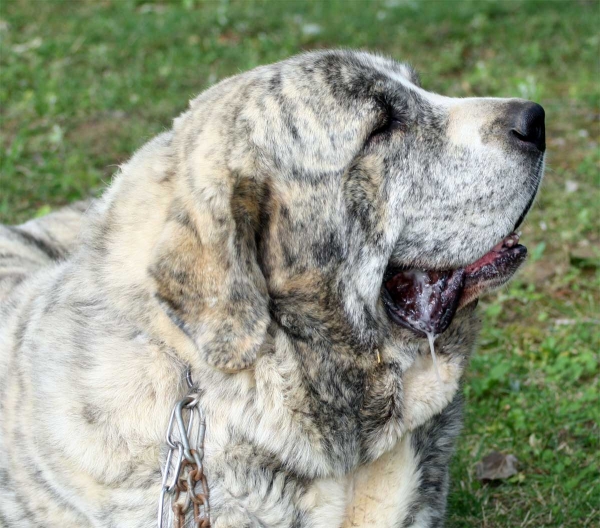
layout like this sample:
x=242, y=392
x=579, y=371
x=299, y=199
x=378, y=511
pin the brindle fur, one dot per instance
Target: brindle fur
x=249, y=244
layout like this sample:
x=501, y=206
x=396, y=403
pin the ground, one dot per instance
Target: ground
x=84, y=83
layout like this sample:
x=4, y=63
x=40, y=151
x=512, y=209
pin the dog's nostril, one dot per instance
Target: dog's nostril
x=528, y=125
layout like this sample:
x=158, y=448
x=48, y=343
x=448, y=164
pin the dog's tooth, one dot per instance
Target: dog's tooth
x=511, y=240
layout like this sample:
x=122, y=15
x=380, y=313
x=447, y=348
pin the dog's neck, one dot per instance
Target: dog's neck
x=315, y=317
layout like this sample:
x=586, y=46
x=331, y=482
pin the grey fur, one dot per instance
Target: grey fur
x=249, y=244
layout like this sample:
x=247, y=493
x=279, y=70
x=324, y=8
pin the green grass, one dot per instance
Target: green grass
x=83, y=84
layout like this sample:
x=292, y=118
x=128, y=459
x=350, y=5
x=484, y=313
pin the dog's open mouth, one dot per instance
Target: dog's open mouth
x=426, y=301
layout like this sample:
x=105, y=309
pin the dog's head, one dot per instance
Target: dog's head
x=330, y=194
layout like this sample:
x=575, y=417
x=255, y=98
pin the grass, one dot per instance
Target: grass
x=83, y=84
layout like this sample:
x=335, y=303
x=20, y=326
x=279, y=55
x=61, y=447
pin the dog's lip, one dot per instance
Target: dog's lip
x=425, y=301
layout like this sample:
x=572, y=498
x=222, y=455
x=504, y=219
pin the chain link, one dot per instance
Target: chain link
x=183, y=476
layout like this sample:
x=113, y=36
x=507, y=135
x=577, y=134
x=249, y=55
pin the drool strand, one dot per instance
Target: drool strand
x=431, y=338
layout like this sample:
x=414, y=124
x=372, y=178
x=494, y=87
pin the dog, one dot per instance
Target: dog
x=287, y=247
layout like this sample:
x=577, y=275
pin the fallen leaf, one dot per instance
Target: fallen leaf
x=585, y=257
x=496, y=466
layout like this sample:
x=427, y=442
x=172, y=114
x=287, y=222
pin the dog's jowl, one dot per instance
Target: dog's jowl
x=290, y=242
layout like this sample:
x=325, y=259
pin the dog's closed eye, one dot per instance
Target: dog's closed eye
x=391, y=119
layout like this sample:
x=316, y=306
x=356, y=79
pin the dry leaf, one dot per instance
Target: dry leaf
x=496, y=466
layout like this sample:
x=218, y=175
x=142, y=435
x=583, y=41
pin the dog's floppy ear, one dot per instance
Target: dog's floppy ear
x=205, y=265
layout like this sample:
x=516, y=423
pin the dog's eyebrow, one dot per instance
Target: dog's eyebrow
x=403, y=72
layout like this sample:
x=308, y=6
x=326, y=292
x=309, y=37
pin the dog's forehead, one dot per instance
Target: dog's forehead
x=359, y=75
x=347, y=65
x=400, y=72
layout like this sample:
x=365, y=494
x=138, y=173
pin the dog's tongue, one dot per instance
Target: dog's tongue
x=424, y=301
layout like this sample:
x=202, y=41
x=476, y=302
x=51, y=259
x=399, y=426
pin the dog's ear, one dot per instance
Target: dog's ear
x=205, y=266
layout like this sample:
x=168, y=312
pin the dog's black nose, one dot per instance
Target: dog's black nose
x=528, y=125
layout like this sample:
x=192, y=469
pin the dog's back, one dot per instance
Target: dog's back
x=37, y=244
x=25, y=250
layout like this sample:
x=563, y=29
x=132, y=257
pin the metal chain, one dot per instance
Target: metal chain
x=183, y=473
